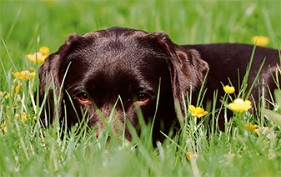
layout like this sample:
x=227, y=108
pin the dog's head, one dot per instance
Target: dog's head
x=121, y=71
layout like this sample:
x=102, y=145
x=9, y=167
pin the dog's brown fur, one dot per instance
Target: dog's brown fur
x=126, y=67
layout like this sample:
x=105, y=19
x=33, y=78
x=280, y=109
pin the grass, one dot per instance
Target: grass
x=27, y=149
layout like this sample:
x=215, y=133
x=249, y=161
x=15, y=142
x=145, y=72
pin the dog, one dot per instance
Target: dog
x=124, y=71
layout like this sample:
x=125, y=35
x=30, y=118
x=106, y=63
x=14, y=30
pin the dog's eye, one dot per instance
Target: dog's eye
x=83, y=98
x=143, y=97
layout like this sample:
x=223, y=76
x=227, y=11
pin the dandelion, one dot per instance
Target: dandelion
x=44, y=50
x=36, y=57
x=24, y=75
x=260, y=40
x=39, y=57
x=250, y=127
x=18, y=88
x=228, y=89
x=1, y=93
x=197, y=112
x=240, y=105
x=4, y=127
x=188, y=155
x=23, y=116
x=8, y=95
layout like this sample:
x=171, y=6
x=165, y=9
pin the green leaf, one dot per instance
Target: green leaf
x=277, y=95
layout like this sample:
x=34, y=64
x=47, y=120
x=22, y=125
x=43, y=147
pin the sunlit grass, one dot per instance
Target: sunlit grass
x=249, y=146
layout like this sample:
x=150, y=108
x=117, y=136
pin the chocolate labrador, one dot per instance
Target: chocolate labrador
x=121, y=71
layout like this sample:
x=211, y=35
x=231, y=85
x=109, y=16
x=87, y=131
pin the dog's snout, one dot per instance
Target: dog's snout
x=108, y=117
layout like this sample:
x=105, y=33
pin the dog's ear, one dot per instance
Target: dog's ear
x=187, y=71
x=51, y=82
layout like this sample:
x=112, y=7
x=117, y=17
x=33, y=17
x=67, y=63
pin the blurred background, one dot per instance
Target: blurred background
x=25, y=25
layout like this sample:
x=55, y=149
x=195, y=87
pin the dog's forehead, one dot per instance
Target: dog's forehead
x=118, y=49
x=131, y=46
x=114, y=55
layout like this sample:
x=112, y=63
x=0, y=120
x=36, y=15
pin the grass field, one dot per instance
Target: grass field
x=27, y=149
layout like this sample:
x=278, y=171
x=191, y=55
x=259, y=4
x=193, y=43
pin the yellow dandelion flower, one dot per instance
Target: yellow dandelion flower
x=228, y=89
x=39, y=57
x=250, y=127
x=23, y=116
x=1, y=93
x=188, y=155
x=260, y=40
x=18, y=88
x=4, y=127
x=240, y=105
x=24, y=75
x=197, y=112
x=36, y=57
x=8, y=95
x=44, y=50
